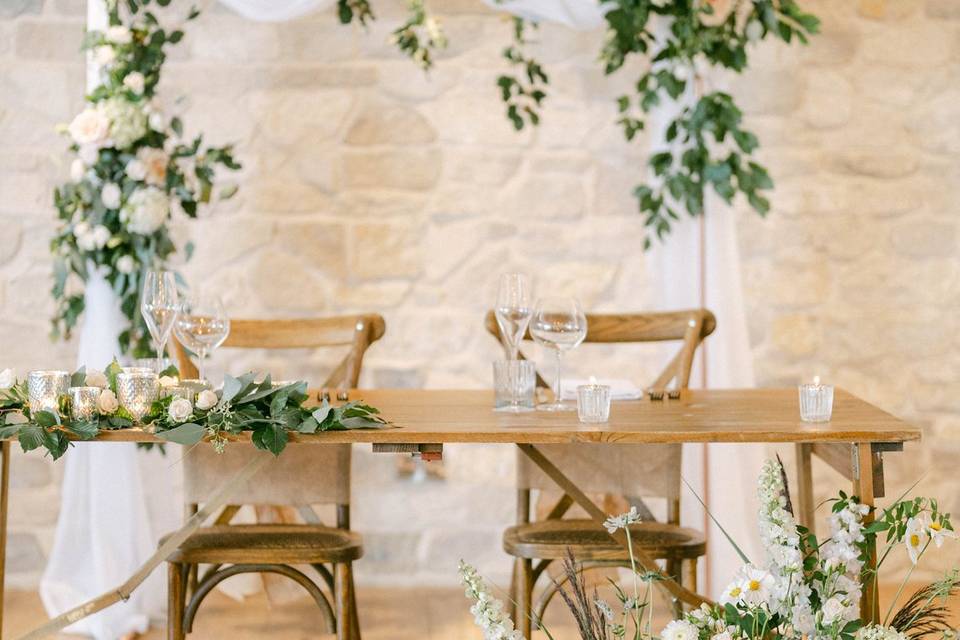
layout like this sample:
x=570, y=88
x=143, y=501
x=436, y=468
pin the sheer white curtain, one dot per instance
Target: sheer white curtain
x=276, y=10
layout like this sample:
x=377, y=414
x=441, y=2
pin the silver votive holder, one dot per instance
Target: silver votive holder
x=178, y=391
x=84, y=403
x=816, y=401
x=514, y=382
x=137, y=392
x=593, y=403
x=45, y=388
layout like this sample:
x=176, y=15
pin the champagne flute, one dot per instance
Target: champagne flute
x=513, y=310
x=202, y=326
x=159, y=306
x=559, y=324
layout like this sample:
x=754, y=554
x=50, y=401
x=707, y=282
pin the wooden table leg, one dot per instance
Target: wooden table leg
x=806, y=506
x=599, y=516
x=863, y=486
x=4, y=501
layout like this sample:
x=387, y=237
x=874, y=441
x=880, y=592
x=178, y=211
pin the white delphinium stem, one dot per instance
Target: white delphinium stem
x=488, y=612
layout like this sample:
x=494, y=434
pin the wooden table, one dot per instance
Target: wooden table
x=853, y=443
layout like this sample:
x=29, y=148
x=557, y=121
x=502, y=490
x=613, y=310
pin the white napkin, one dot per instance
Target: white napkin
x=620, y=388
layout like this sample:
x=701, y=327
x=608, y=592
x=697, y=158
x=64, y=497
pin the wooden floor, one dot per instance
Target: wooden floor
x=385, y=614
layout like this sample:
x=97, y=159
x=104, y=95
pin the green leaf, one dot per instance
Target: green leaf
x=84, y=430
x=33, y=436
x=231, y=387
x=177, y=125
x=188, y=433
x=272, y=437
x=79, y=377
x=46, y=419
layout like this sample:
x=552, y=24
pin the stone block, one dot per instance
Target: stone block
x=924, y=45
x=403, y=169
x=301, y=117
x=284, y=283
x=321, y=40
x=385, y=251
x=487, y=167
x=796, y=335
x=232, y=40
x=762, y=92
x=389, y=124
x=321, y=245
x=555, y=196
x=943, y=9
x=49, y=41
x=925, y=239
x=15, y=8
x=828, y=100
x=9, y=239
x=835, y=45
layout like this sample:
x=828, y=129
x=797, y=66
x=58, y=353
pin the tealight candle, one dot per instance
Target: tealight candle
x=816, y=401
x=137, y=392
x=45, y=388
x=83, y=402
x=593, y=402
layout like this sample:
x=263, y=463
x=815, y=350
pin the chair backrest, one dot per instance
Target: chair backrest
x=304, y=475
x=630, y=470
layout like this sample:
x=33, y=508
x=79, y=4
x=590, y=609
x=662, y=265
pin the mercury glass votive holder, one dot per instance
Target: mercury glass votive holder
x=84, y=402
x=45, y=388
x=138, y=369
x=816, y=402
x=137, y=392
x=179, y=391
x=593, y=403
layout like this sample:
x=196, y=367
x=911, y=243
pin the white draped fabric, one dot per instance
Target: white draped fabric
x=276, y=10
x=581, y=15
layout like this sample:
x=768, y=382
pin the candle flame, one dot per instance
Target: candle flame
x=593, y=380
x=816, y=380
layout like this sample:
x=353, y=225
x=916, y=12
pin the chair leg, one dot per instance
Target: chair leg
x=176, y=591
x=512, y=594
x=691, y=577
x=354, y=613
x=348, y=627
x=524, y=621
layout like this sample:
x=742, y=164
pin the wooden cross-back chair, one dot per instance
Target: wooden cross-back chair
x=302, y=477
x=635, y=471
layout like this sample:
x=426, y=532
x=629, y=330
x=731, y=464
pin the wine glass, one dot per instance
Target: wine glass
x=159, y=306
x=202, y=325
x=513, y=310
x=558, y=323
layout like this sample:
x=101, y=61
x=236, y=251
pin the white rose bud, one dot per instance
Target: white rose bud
x=107, y=403
x=168, y=381
x=180, y=409
x=126, y=264
x=96, y=379
x=104, y=55
x=77, y=169
x=156, y=122
x=110, y=196
x=7, y=378
x=135, y=82
x=135, y=170
x=207, y=400
x=100, y=236
x=119, y=34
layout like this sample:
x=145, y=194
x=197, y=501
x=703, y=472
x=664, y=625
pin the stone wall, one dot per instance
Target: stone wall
x=368, y=186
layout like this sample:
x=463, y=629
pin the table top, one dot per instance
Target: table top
x=424, y=416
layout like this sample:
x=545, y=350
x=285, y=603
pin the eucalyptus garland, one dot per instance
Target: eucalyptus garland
x=249, y=403
x=132, y=172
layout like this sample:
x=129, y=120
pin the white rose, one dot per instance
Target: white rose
x=100, y=236
x=90, y=127
x=110, y=196
x=89, y=153
x=7, y=378
x=168, y=381
x=135, y=170
x=754, y=31
x=107, y=403
x=135, y=82
x=77, y=169
x=155, y=163
x=126, y=264
x=180, y=409
x=96, y=379
x=146, y=210
x=156, y=121
x=104, y=55
x=119, y=35
x=207, y=399
x=84, y=235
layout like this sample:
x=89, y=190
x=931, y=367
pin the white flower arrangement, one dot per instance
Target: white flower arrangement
x=132, y=173
x=488, y=612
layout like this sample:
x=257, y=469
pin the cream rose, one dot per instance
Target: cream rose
x=207, y=400
x=107, y=403
x=135, y=170
x=135, y=82
x=125, y=264
x=119, y=34
x=155, y=165
x=96, y=379
x=7, y=378
x=90, y=127
x=89, y=154
x=180, y=409
x=104, y=55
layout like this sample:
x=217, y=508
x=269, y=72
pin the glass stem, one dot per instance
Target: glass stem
x=160, y=349
x=203, y=359
x=557, y=388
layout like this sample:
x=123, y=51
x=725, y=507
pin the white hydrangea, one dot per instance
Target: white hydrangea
x=679, y=630
x=146, y=210
x=879, y=632
x=128, y=123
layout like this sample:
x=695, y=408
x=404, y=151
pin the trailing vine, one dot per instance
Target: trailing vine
x=523, y=99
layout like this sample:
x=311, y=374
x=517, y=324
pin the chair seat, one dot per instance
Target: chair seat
x=550, y=539
x=269, y=544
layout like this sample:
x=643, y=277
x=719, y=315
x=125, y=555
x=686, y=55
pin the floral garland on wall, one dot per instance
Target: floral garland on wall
x=132, y=173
